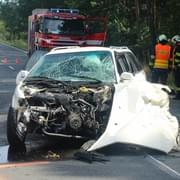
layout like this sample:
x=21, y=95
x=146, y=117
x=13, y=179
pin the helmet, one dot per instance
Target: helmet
x=162, y=37
x=178, y=39
x=175, y=39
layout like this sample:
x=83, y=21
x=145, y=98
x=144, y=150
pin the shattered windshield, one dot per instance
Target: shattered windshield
x=94, y=66
x=59, y=26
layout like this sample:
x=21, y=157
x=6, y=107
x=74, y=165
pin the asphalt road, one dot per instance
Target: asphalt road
x=54, y=159
x=12, y=60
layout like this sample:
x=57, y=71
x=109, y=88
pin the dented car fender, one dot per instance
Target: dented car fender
x=140, y=116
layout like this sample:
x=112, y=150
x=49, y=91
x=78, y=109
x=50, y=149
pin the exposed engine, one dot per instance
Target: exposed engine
x=69, y=111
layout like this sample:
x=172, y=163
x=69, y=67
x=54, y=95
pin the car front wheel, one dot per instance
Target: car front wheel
x=16, y=130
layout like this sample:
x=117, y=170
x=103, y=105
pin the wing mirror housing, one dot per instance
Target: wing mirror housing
x=21, y=76
x=126, y=76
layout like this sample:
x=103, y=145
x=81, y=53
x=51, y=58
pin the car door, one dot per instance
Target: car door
x=131, y=76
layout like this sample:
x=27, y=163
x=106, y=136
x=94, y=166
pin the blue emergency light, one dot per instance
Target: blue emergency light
x=57, y=10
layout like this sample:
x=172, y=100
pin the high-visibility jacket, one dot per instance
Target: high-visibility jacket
x=162, y=56
x=177, y=56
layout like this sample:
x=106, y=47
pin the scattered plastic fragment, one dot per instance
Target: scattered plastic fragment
x=90, y=156
x=52, y=156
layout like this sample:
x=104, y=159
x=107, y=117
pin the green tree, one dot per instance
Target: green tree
x=9, y=15
x=130, y=22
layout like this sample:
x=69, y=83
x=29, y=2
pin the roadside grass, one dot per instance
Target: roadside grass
x=21, y=44
x=4, y=38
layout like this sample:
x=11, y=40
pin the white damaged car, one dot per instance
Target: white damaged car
x=93, y=93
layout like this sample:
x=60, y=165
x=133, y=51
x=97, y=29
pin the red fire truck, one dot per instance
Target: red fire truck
x=48, y=28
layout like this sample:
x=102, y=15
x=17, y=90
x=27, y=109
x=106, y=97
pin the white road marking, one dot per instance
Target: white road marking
x=10, y=67
x=5, y=91
x=7, y=80
x=163, y=166
x=15, y=48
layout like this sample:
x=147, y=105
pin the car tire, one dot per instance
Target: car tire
x=14, y=138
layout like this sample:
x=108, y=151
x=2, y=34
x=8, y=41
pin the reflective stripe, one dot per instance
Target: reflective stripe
x=177, y=56
x=161, y=67
x=177, y=53
x=160, y=63
x=177, y=60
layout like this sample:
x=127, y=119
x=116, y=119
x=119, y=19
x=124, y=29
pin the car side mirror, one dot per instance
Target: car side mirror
x=126, y=76
x=21, y=76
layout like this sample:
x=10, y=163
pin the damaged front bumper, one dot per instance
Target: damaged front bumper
x=134, y=114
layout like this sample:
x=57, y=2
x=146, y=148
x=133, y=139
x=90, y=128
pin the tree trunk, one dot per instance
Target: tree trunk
x=152, y=22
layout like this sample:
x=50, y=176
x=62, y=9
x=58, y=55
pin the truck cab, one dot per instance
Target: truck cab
x=49, y=28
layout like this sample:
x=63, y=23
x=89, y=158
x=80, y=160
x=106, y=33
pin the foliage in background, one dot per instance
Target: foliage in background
x=135, y=23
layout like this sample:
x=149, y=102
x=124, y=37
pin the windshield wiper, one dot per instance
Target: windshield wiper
x=42, y=79
x=87, y=77
x=38, y=78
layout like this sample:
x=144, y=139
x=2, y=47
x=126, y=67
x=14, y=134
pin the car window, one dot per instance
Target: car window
x=120, y=68
x=122, y=63
x=34, y=59
x=133, y=62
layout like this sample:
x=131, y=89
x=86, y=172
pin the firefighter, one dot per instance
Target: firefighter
x=176, y=59
x=174, y=39
x=161, y=60
x=173, y=45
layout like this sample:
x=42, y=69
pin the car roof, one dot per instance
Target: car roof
x=67, y=49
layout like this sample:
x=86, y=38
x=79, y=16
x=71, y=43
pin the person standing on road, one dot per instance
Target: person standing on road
x=161, y=61
x=176, y=63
